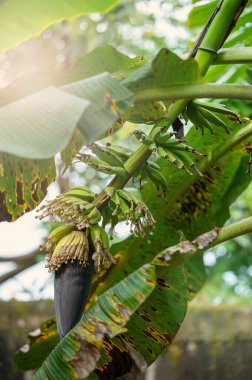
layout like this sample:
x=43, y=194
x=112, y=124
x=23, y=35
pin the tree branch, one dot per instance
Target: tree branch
x=22, y=263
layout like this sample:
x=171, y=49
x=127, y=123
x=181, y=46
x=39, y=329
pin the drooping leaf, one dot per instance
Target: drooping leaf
x=101, y=59
x=107, y=97
x=40, y=125
x=76, y=356
x=165, y=70
x=78, y=352
x=23, y=20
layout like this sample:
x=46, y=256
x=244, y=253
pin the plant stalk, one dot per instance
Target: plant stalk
x=239, y=55
x=195, y=91
x=232, y=231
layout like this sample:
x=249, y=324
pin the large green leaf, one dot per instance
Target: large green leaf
x=101, y=59
x=21, y=20
x=166, y=69
x=51, y=135
x=42, y=124
x=77, y=354
x=107, y=317
x=107, y=97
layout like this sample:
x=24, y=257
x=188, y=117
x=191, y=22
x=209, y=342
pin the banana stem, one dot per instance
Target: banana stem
x=239, y=55
x=232, y=231
x=193, y=91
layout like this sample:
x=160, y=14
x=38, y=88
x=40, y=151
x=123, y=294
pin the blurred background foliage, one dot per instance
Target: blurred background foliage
x=142, y=28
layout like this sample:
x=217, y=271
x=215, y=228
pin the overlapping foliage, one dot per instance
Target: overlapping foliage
x=141, y=301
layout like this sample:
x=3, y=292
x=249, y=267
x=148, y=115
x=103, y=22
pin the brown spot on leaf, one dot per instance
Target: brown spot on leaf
x=44, y=185
x=4, y=212
x=168, y=337
x=150, y=335
x=117, y=355
x=161, y=282
x=34, y=190
x=20, y=192
x=143, y=316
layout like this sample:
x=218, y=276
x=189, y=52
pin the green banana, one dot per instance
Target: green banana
x=120, y=151
x=105, y=155
x=163, y=138
x=102, y=257
x=216, y=108
x=213, y=119
x=127, y=196
x=198, y=119
x=94, y=216
x=168, y=155
x=79, y=192
x=100, y=165
x=192, y=116
x=156, y=177
x=109, y=191
x=188, y=161
x=183, y=147
x=55, y=236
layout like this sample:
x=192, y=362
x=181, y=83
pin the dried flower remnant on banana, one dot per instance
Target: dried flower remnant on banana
x=131, y=208
x=73, y=207
x=71, y=241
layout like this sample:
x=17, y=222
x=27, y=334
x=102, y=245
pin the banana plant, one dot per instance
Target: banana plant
x=135, y=293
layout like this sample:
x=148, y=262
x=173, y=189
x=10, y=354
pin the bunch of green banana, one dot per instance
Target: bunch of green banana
x=101, y=257
x=103, y=159
x=133, y=210
x=150, y=170
x=72, y=207
x=205, y=115
x=175, y=151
